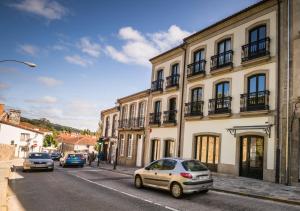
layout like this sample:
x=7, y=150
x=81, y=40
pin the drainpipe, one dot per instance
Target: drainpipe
x=288, y=138
x=277, y=171
x=181, y=103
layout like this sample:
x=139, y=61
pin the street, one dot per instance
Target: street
x=96, y=189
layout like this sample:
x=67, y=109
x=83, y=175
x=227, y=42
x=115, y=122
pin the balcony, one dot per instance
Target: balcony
x=155, y=118
x=170, y=117
x=255, y=50
x=194, y=109
x=255, y=101
x=132, y=123
x=196, y=69
x=172, y=81
x=124, y=123
x=220, y=106
x=157, y=85
x=222, y=60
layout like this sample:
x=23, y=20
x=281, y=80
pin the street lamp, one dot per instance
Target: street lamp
x=29, y=64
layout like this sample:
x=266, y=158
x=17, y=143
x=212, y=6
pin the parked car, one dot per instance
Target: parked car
x=55, y=156
x=72, y=159
x=179, y=176
x=38, y=160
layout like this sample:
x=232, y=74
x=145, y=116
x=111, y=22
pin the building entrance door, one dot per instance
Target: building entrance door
x=252, y=156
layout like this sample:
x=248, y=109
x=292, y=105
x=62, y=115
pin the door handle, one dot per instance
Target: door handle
x=155, y=173
x=170, y=174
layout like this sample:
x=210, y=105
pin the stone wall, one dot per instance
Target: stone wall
x=6, y=152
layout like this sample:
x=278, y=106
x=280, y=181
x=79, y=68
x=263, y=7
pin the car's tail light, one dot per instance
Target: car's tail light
x=186, y=175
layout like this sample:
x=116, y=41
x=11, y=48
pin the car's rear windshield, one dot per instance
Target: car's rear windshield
x=39, y=156
x=193, y=165
x=74, y=156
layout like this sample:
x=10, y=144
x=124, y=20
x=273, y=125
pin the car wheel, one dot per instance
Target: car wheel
x=24, y=170
x=138, y=182
x=176, y=190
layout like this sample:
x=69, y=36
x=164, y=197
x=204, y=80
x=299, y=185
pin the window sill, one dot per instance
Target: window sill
x=227, y=68
x=253, y=113
x=256, y=60
x=193, y=118
x=195, y=77
x=222, y=115
x=172, y=88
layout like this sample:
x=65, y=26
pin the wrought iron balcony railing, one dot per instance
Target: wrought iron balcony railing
x=123, y=123
x=172, y=80
x=170, y=116
x=219, y=105
x=157, y=85
x=194, y=109
x=255, y=101
x=221, y=60
x=196, y=68
x=256, y=49
x=155, y=118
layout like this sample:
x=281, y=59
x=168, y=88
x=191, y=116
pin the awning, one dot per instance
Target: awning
x=265, y=128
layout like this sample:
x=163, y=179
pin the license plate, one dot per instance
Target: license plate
x=40, y=165
x=202, y=177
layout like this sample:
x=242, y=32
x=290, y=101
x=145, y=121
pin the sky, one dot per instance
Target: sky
x=90, y=53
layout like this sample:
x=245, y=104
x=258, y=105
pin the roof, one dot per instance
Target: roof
x=76, y=139
x=134, y=96
x=24, y=127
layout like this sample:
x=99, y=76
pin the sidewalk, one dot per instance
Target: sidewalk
x=239, y=185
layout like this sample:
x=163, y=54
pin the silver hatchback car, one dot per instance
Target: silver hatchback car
x=179, y=176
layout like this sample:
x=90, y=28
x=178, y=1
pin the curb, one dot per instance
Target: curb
x=258, y=196
x=292, y=202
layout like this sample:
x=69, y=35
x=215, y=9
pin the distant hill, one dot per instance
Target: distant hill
x=45, y=123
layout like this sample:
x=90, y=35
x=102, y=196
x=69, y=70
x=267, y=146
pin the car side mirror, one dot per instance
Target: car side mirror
x=147, y=168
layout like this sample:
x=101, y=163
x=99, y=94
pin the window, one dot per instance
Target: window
x=207, y=150
x=172, y=104
x=257, y=83
x=169, y=164
x=157, y=107
x=25, y=137
x=196, y=94
x=122, y=145
x=160, y=75
x=222, y=90
x=223, y=47
x=157, y=165
x=155, y=153
x=258, y=33
x=169, y=148
x=124, y=112
x=131, y=112
x=198, y=57
x=193, y=165
x=114, y=125
x=141, y=109
x=129, y=145
x=175, y=69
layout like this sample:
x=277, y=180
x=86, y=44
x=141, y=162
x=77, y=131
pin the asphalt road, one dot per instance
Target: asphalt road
x=95, y=189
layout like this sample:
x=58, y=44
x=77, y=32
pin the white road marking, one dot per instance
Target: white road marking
x=127, y=194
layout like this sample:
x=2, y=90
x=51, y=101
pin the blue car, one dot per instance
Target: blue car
x=72, y=159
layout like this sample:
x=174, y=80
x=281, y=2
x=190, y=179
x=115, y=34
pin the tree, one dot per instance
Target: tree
x=49, y=141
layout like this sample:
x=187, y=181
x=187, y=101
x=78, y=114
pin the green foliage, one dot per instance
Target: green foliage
x=49, y=140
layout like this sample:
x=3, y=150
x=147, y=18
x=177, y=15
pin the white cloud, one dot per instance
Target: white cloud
x=48, y=81
x=139, y=48
x=78, y=60
x=43, y=100
x=48, y=9
x=29, y=49
x=165, y=40
x=59, y=47
x=128, y=33
x=86, y=46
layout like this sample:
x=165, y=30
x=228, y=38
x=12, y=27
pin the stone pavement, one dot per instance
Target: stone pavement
x=238, y=185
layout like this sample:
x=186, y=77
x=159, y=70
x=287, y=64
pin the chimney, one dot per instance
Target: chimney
x=2, y=106
x=14, y=116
